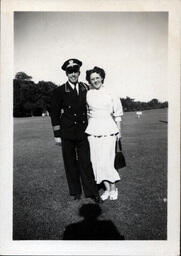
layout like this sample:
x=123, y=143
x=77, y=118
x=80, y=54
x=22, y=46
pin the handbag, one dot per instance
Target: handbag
x=119, y=161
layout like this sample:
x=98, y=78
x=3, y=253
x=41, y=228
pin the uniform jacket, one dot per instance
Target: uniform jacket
x=69, y=111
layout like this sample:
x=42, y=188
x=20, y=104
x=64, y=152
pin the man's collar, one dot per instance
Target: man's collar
x=73, y=85
x=81, y=86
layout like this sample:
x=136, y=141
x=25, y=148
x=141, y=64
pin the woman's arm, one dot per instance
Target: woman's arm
x=119, y=127
x=117, y=114
x=87, y=106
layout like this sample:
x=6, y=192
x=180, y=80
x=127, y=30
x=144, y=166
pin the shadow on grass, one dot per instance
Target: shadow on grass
x=90, y=228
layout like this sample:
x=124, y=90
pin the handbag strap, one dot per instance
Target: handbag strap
x=118, y=146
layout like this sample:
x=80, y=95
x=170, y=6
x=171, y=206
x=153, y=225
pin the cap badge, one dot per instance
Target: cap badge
x=71, y=62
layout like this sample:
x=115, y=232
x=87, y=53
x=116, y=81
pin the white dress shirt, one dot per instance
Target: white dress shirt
x=74, y=86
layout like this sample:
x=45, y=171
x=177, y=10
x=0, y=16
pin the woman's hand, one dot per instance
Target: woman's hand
x=118, y=136
x=58, y=141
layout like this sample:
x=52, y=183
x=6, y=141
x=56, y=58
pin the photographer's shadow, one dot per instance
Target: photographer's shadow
x=90, y=228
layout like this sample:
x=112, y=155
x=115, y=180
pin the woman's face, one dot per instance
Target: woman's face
x=96, y=80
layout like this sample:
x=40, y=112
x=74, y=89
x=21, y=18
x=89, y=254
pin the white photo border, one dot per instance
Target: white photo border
x=7, y=245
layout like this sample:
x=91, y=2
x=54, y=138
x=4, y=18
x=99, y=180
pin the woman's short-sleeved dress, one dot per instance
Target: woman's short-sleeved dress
x=103, y=110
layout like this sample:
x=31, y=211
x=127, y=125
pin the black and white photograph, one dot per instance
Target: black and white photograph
x=91, y=108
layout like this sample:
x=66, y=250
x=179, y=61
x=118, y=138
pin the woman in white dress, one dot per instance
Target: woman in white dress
x=104, y=127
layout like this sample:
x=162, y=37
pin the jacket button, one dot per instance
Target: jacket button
x=75, y=122
x=75, y=114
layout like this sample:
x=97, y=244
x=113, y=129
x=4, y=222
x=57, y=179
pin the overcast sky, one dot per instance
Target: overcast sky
x=131, y=47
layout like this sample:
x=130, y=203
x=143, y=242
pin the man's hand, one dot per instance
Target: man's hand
x=58, y=141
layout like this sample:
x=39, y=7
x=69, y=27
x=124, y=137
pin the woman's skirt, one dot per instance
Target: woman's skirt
x=102, y=153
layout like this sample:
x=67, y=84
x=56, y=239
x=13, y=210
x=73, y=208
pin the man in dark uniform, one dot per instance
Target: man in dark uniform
x=69, y=121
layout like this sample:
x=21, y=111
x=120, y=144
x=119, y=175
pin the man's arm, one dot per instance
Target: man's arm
x=55, y=115
x=56, y=130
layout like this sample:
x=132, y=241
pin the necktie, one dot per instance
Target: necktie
x=75, y=90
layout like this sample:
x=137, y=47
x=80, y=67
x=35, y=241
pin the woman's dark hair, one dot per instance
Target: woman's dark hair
x=98, y=70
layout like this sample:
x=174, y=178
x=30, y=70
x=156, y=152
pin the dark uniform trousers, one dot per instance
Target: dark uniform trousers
x=69, y=112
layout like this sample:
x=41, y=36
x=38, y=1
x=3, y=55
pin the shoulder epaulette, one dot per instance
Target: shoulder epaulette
x=85, y=86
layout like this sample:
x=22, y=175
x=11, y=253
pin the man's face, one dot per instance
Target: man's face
x=73, y=74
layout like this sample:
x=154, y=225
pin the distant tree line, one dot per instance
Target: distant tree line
x=34, y=99
x=31, y=99
x=131, y=105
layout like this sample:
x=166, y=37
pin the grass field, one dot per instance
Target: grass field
x=42, y=207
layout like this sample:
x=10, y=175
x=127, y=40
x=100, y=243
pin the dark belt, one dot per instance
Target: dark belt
x=100, y=136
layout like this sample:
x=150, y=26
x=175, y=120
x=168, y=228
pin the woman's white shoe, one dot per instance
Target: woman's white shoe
x=114, y=194
x=105, y=195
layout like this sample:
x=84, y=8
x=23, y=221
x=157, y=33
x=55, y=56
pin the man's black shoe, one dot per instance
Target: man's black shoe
x=77, y=197
x=97, y=199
